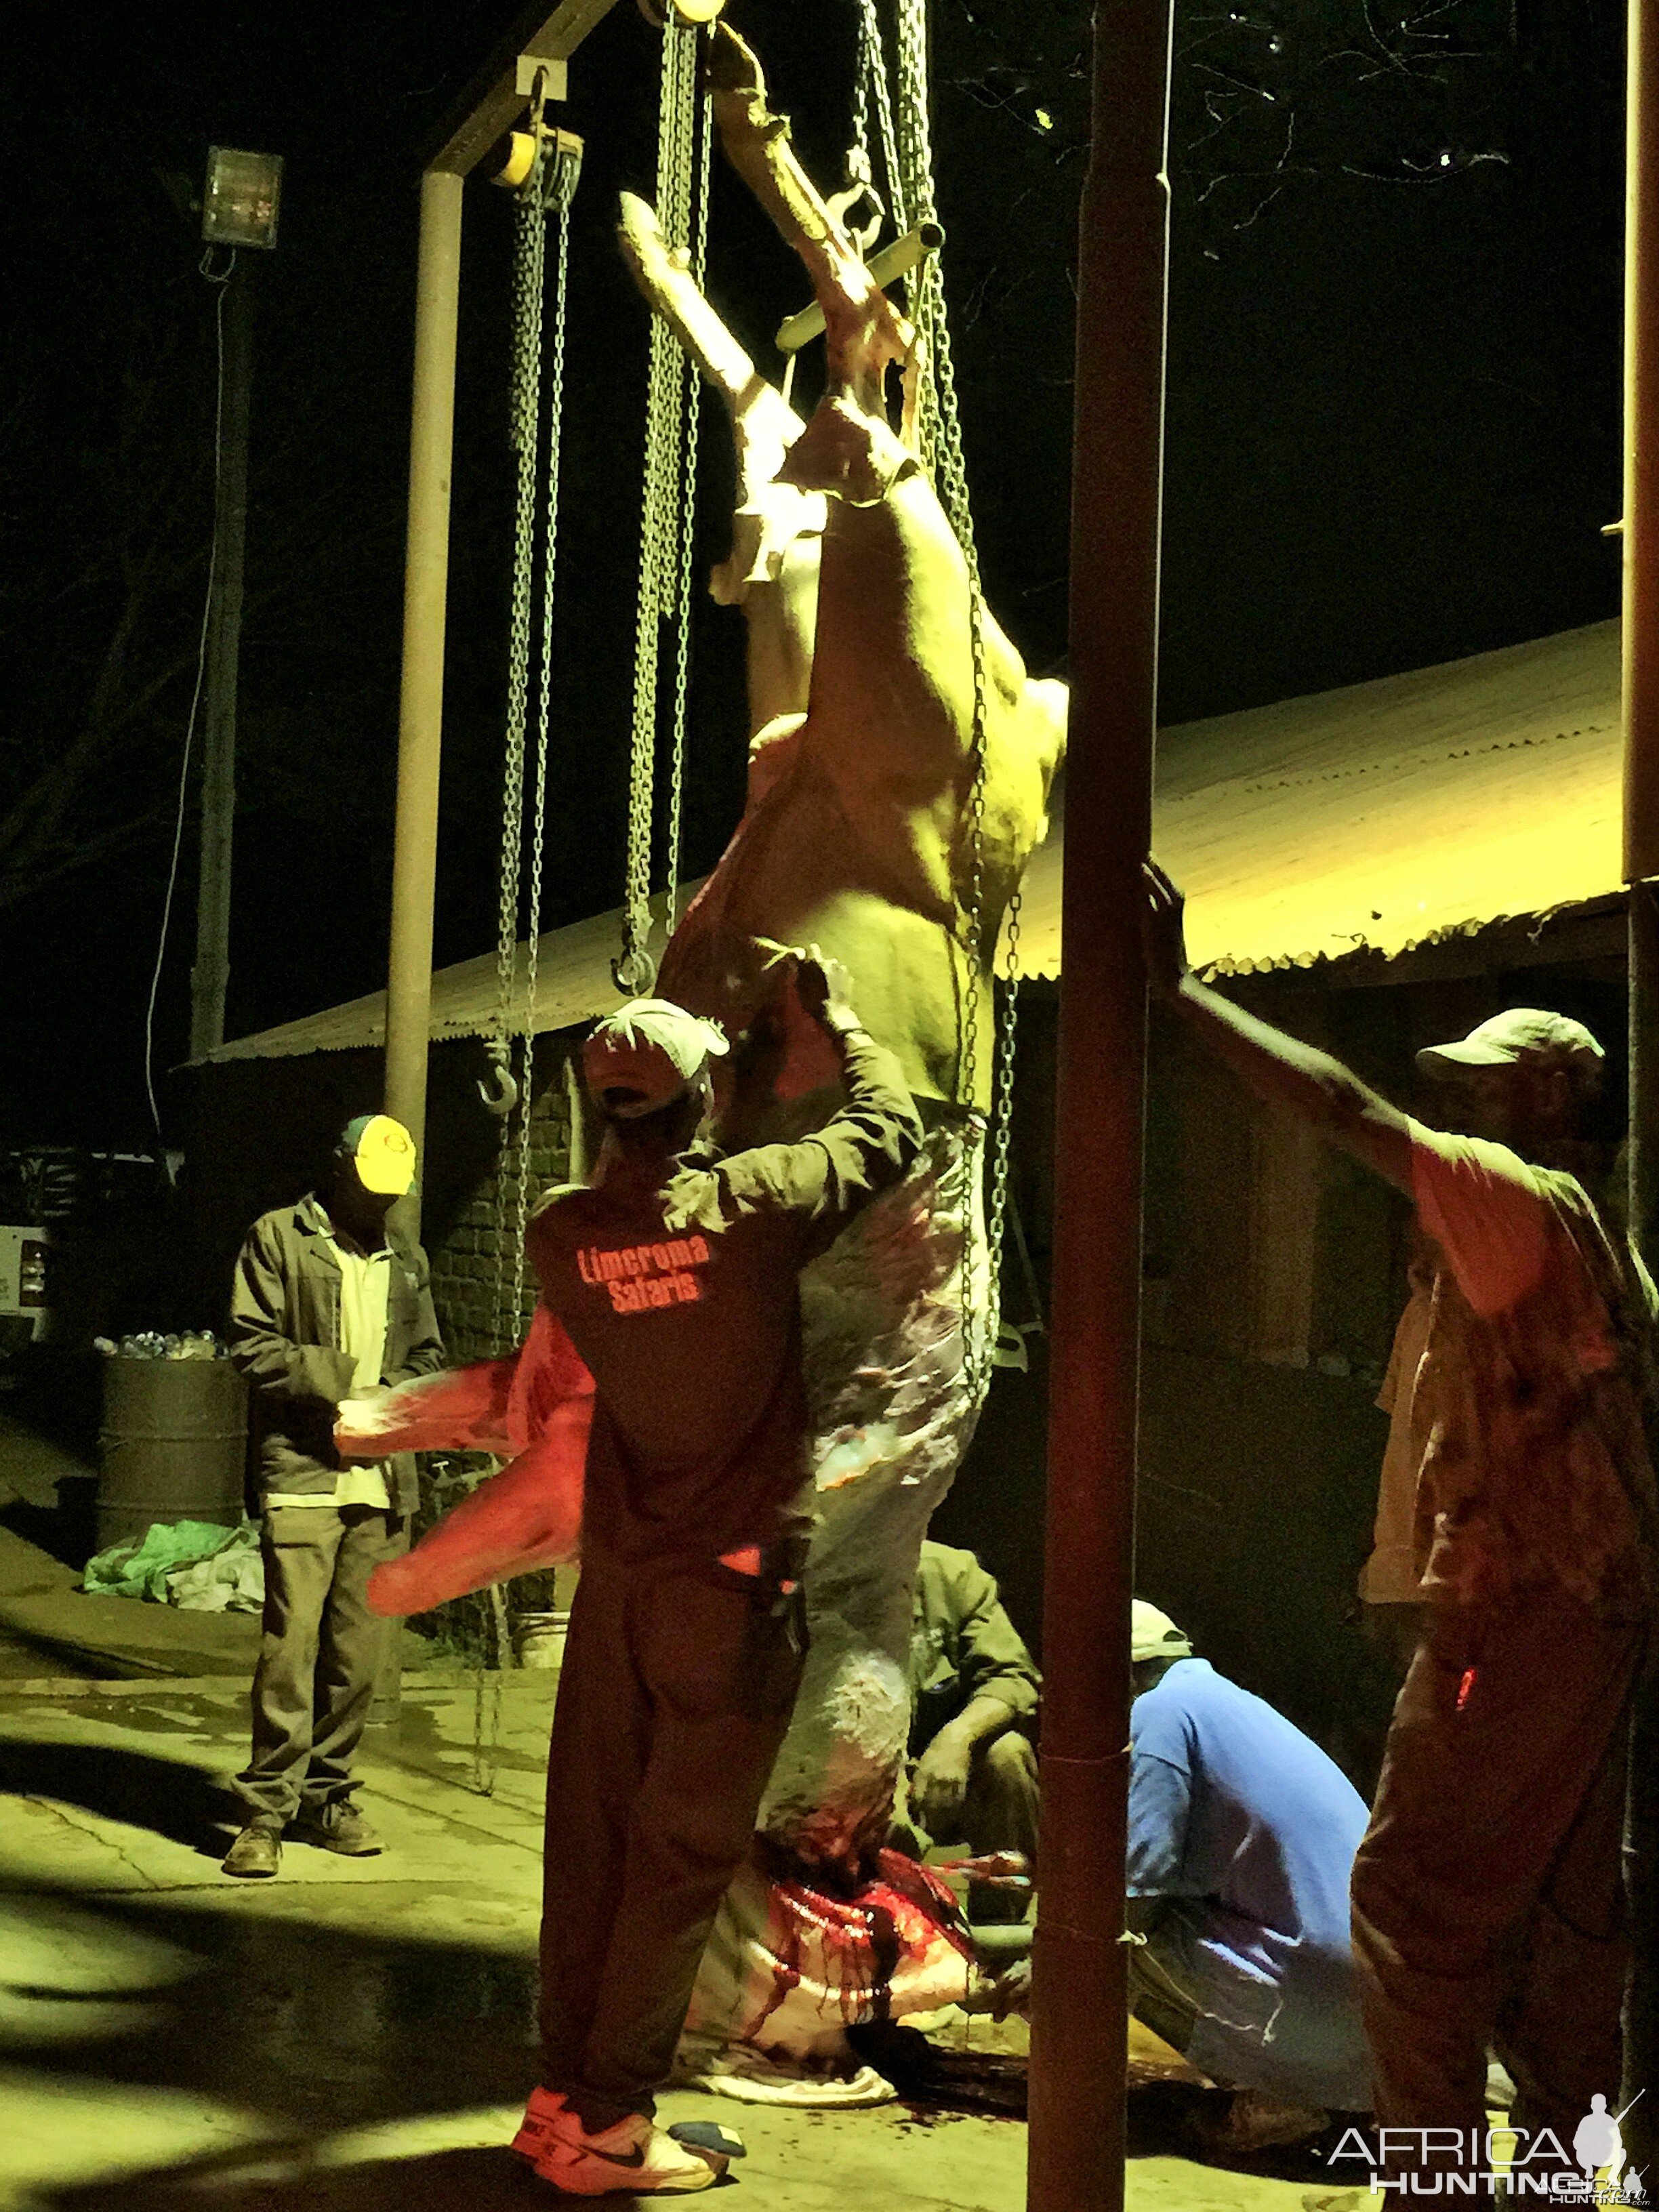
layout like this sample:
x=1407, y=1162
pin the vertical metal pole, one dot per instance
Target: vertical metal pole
x=1641, y=720
x=421, y=719
x=1079, y=2039
x=425, y=581
x=210, y=975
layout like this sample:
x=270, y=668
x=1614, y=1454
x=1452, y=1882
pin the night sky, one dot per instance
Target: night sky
x=1393, y=430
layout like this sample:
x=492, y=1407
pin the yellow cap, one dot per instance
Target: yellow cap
x=382, y=1152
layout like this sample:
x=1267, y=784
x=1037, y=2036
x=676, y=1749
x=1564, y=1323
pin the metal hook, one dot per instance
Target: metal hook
x=498, y=1090
x=538, y=91
x=634, y=973
x=840, y=205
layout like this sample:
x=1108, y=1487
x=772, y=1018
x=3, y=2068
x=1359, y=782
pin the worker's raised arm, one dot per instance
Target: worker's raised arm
x=1295, y=1078
x=870, y=1144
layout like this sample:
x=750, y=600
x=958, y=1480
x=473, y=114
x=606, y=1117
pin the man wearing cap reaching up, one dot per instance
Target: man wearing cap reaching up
x=675, y=1274
x=328, y=1303
x=1487, y=1897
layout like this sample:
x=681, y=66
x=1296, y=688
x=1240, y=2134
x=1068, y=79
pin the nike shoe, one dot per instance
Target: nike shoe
x=634, y=2158
x=536, y=2129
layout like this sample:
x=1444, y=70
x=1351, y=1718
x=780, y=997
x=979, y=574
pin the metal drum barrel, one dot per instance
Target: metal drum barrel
x=174, y=1440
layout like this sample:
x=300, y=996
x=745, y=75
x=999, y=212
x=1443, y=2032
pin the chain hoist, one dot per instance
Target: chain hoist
x=667, y=517
x=908, y=150
x=544, y=196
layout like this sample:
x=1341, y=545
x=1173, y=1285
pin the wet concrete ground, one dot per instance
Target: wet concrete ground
x=358, y=2032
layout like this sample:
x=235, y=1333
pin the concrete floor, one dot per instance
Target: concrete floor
x=359, y=2032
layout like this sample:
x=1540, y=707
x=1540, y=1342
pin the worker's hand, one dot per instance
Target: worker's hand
x=824, y=988
x=1163, y=930
x=1012, y=1992
x=940, y=1783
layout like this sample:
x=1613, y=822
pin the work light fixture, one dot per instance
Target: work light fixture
x=239, y=206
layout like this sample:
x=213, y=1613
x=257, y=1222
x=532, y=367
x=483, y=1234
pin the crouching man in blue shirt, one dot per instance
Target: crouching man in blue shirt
x=1241, y=1839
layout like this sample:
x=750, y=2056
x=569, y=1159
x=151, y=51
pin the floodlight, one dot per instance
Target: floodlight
x=239, y=207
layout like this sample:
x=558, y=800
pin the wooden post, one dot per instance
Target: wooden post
x=1641, y=722
x=1079, y=2002
x=210, y=975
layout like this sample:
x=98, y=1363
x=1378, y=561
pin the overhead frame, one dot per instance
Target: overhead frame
x=539, y=43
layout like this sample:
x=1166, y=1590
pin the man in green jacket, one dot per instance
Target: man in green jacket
x=974, y=1691
x=328, y=1304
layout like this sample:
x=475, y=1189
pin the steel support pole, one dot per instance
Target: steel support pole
x=1079, y=2004
x=211, y=977
x=425, y=581
x=1641, y=722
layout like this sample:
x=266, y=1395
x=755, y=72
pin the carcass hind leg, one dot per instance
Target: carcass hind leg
x=864, y=331
x=772, y=572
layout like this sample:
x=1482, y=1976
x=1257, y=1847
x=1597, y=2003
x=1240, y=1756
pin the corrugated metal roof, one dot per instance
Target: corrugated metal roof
x=1384, y=813
x=1380, y=816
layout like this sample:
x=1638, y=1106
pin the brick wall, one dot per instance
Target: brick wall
x=471, y=1249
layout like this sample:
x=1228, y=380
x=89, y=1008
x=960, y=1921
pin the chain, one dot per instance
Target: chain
x=870, y=78
x=938, y=427
x=563, y=187
x=549, y=188
x=529, y=279
x=692, y=404
x=665, y=522
x=864, y=68
x=487, y=1694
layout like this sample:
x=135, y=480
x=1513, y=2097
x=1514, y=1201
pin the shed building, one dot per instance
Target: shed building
x=1374, y=868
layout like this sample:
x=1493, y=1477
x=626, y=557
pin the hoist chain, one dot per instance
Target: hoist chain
x=667, y=509
x=529, y=276
x=486, y=1693
x=939, y=425
x=532, y=920
x=691, y=401
x=547, y=192
x=871, y=80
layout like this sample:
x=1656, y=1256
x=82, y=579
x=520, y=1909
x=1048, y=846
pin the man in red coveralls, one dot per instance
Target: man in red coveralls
x=675, y=1275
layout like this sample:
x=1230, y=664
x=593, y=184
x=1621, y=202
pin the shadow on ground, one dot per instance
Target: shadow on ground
x=171, y=1797
x=488, y=2180
x=279, y=2012
x=309, y=2014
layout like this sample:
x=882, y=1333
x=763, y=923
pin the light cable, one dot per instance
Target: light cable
x=223, y=283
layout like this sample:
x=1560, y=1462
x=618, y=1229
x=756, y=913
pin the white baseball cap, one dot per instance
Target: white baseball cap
x=647, y=1054
x=1153, y=1635
x=1520, y=1033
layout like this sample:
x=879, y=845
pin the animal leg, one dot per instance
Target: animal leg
x=864, y=331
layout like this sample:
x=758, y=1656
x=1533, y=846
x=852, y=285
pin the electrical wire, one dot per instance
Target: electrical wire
x=223, y=283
